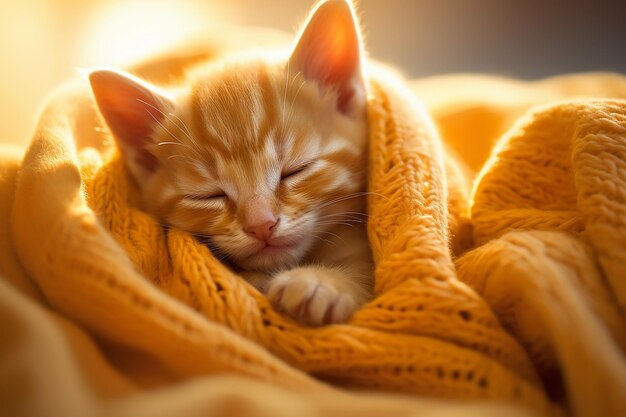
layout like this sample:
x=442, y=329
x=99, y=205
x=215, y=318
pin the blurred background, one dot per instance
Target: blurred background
x=42, y=42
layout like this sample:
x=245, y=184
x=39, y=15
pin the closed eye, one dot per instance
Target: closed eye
x=295, y=171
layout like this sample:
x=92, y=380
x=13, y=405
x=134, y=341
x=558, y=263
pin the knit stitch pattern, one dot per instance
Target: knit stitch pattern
x=548, y=216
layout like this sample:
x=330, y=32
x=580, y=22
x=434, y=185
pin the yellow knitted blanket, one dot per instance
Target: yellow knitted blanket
x=514, y=292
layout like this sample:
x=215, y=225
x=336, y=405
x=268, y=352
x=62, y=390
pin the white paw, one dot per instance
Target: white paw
x=312, y=296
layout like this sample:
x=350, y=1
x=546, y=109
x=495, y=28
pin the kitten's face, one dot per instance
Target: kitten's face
x=259, y=158
x=252, y=144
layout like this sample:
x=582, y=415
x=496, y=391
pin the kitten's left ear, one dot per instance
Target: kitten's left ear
x=133, y=109
x=329, y=52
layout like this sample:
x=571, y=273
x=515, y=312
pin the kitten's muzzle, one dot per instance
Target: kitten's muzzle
x=259, y=217
x=262, y=231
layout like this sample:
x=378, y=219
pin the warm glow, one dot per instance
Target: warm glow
x=44, y=42
x=126, y=31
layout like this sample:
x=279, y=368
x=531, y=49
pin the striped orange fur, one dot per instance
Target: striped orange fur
x=266, y=160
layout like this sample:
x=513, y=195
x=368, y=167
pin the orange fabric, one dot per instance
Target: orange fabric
x=465, y=331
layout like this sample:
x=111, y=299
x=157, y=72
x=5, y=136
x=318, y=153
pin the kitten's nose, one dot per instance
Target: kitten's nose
x=259, y=216
x=262, y=231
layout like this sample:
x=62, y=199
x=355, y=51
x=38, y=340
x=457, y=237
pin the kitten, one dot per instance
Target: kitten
x=265, y=160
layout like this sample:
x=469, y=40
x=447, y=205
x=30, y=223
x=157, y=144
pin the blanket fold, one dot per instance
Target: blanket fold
x=532, y=315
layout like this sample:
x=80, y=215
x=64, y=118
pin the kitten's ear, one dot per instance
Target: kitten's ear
x=132, y=109
x=329, y=52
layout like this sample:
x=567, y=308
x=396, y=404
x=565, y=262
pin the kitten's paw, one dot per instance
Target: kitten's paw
x=313, y=295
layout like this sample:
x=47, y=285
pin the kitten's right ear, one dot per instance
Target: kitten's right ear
x=329, y=51
x=132, y=109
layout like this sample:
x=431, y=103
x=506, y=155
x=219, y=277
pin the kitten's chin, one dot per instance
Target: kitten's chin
x=272, y=258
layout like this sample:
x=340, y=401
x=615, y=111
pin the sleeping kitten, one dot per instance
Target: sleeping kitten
x=265, y=160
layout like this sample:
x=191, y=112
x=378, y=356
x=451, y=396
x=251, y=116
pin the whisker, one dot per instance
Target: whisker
x=340, y=199
x=354, y=213
x=293, y=100
x=176, y=143
x=336, y=224
x=282, y=115
x=354, y=216
x=218, y=252
x=342, y=219
x=330, y=241
x=342, y=216
x=186, y=130
x=194, y=149
x=328, y=233
x=151, y=106
x=323, y=240
x=157, y=120
x=349, y=196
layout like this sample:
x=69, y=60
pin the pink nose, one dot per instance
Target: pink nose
x=262, y=231
x=258, y=217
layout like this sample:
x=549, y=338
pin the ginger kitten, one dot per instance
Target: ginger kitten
x=265, y=161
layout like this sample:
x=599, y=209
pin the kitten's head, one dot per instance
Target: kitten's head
x=261, y=158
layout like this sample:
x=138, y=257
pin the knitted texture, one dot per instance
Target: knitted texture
x=548, y=214
x=462, y=352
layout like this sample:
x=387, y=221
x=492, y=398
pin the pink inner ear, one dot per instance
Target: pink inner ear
x=131, y=109
x=329, y=51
